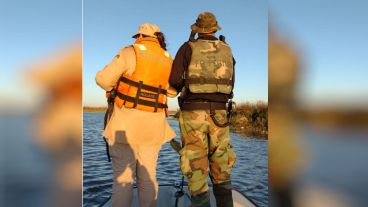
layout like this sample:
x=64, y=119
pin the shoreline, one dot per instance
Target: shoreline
x=250, y=119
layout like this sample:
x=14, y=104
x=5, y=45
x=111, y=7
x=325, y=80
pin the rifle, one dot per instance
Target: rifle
x=222, y=38
x=110, y=108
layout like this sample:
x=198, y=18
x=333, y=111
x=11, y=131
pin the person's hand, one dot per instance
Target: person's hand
x=171, y=92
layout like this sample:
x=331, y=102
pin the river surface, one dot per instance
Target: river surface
x=249, y=175
x=336, y=161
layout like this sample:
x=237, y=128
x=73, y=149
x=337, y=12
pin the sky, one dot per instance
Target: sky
x=331, y=37
x=109, y=25
x=29, y=31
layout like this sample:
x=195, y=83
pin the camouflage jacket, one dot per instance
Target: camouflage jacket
x=180, y=65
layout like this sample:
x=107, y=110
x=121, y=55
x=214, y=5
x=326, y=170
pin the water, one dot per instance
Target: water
x=25, y=170
x=336, y=162
x=335, y=159
x=249, y=176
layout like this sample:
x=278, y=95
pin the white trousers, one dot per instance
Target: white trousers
x=130, y=162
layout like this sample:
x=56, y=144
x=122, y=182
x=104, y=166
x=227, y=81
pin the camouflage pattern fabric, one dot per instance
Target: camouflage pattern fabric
x=205, y=23
x=205, y=146
x=211, y=59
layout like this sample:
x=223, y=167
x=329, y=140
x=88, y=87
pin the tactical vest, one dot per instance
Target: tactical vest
x=146, y=88
x=211, y=67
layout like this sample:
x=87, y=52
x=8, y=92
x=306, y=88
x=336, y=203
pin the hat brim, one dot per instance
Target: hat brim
x=135, y=36
x=195, y=28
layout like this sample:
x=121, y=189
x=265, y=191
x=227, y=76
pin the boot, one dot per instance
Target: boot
x=201, y=200
x=223, y=194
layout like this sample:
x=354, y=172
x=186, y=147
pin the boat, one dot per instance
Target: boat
x=178, y=196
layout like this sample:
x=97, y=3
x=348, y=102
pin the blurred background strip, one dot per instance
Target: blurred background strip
x=40, y=103
x=318, y=98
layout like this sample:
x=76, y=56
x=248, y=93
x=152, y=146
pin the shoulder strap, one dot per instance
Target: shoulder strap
x=192, y=36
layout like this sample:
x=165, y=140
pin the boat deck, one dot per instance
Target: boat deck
x=167, y=198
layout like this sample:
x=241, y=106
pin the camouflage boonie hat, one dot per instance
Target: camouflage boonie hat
x=206, y=23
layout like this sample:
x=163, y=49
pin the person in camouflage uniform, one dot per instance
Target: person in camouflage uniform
x=203, y=70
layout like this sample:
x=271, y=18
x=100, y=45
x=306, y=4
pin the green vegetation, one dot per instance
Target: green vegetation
x=251, y=119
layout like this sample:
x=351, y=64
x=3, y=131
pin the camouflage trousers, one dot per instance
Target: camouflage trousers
x=205, y=145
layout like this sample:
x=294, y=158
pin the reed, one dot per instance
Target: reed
x=251, y=119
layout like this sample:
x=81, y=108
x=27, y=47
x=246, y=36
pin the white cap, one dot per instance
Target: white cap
x=147, y=29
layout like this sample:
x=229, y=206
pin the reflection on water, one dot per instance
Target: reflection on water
x=250, y=173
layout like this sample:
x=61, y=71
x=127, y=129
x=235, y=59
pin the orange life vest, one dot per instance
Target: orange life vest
x=146, y=88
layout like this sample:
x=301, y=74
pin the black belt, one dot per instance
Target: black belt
x=188, y=106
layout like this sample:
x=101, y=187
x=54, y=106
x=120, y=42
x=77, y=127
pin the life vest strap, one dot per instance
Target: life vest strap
x=208, y=81
x=143, y=86
x=138, y=94
x=141, y=101
x=156, y=101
